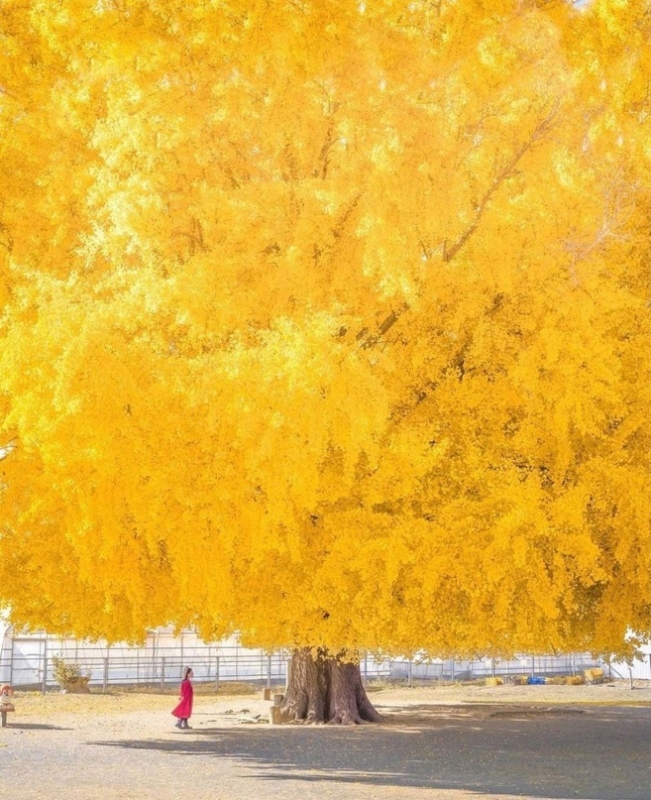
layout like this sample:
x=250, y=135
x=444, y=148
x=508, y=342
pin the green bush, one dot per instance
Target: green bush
x=68, y=675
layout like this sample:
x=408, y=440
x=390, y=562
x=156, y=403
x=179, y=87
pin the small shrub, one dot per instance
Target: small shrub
x=69, y=676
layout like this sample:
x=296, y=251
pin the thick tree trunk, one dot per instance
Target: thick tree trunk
x=324, y=688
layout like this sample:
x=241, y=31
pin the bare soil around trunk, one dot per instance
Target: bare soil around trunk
x=435, y=743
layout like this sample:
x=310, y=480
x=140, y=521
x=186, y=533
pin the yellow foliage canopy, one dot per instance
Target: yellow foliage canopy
x=327, y=322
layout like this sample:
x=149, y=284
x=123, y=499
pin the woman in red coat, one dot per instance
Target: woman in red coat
x=184, y=709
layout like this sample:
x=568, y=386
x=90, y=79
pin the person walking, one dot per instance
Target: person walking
x=184, y=709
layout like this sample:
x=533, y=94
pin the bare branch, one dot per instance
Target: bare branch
x=371, y=341
x=507, y=171
x=324, y=155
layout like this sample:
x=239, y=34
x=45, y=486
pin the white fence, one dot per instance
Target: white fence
x=26, y=660
x=30, y=663
x=459, y=670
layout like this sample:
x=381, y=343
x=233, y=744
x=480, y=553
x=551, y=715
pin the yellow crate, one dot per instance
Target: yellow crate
x=494, y=682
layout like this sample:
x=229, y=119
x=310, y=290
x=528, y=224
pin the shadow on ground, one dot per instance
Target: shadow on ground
x=600, y=753
x=33, y=726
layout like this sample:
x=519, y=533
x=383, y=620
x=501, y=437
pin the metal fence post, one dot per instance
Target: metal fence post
x=409, y=674
x=268, y=672
x=106, y=674
x=44, y=681
x=217, y=674
x=162, y=672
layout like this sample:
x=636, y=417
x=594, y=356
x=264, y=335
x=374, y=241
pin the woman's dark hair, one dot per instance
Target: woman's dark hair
x=188, y=670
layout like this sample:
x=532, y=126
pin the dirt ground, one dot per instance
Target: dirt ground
x=437, y=743
x=35, y=704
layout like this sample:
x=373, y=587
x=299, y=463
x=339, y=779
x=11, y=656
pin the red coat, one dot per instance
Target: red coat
x=184, y=708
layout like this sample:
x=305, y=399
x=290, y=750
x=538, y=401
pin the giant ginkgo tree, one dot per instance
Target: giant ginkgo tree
x=328, y=323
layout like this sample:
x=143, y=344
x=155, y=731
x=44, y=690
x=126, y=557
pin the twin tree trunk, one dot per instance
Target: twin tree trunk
x=325, y=688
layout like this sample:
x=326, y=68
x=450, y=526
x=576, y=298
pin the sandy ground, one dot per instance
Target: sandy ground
x=33, y=705
x=145, y=708
x=124, y=745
